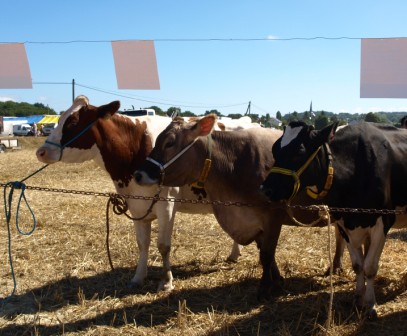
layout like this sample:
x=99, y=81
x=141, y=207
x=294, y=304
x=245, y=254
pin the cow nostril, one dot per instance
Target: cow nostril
x=138, y=176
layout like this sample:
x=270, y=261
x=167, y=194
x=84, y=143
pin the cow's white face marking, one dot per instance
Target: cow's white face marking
x=289, y=135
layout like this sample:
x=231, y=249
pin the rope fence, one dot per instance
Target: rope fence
x=119, y=205
x=157, y=198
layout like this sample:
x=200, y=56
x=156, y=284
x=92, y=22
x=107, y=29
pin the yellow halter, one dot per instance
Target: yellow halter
x=296, y=176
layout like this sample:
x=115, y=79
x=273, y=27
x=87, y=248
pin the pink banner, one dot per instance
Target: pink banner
x=136, y=65
x=14, y=68
x=383, y=69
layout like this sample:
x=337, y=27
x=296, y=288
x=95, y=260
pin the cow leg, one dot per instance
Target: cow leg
x=165, y=228
x=271, y=278
x=371, y=266
x=338, y=257
x=143, y=236
x=264, y=291
x=234, y=253
x=340, y=245
x=355, y=239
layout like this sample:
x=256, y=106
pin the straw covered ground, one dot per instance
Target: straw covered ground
x=65, y=285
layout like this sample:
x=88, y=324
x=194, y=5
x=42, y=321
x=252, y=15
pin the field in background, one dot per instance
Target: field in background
x=65, y=284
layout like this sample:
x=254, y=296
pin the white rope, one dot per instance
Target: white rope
x=324, y=216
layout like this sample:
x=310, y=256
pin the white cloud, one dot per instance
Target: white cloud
x=4, y=99
x=272, y=37
x=42, y=99
x=387, y=109
x=358, y=110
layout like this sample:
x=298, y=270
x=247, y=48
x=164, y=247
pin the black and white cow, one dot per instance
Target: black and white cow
x=368, y=166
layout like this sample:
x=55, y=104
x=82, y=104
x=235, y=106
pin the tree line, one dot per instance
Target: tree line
x=317, y=118
x=13, y=109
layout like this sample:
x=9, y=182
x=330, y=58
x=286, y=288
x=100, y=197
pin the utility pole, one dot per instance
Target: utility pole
x=73, y=90
x=248, y=109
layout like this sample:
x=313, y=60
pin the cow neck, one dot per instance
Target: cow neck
x=312, y=191
x=203, y=176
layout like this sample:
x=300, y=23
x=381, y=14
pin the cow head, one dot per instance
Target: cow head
x=294, y=166
x=173, y=158
x=75, y=133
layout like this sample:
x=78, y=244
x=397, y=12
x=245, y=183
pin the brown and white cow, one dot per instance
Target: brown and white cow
x=119, y=144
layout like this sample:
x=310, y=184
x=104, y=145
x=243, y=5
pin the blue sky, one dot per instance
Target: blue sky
x=275, y=75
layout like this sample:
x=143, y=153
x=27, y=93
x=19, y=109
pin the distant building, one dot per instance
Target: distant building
x=275, y=122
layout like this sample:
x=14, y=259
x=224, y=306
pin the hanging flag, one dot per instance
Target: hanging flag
x=383, y=69
x=136, y=65
x=14, y=68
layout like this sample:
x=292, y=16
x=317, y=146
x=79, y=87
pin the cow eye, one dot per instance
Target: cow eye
x=169, y=144
x=302, y=150
x=72, y=125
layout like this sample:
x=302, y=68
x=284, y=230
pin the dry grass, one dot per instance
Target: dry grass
x=65, y=285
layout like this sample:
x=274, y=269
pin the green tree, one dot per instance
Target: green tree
x=375, y=117
x=13, y=109
x=213, y=111
x=188, y=114
x=173, y=111
x=321, y=121
x=158, y=111
x=235, y=115
x=278, y=115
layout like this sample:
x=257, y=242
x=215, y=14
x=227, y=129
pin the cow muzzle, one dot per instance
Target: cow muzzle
x=149, y=173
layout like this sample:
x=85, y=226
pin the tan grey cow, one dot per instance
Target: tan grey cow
x=239, y=161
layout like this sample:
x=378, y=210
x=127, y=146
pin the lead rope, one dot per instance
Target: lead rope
x=323, y=212
x=7, y=210
x=120, y=207
x=8, y=204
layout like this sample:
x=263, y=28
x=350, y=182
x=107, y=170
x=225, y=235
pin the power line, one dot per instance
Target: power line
x=159, y=102
x=334, y=38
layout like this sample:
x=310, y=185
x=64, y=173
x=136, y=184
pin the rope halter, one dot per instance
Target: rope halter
x=205, y=170
x=170, y=162
x=295, y=174
x=62, y=147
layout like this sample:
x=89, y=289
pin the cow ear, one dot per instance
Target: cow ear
x=327, y=133
x=106, y=111
x=206, y=124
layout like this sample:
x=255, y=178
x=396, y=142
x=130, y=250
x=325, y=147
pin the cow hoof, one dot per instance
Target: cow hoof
x=371, y=314
x=165, y=286
x=266, y=293
x=358, y=302
x=131, y=285
x=336, y=271
x=263, y=295
x=166, y=282
x=134, y=284
x=231, y=260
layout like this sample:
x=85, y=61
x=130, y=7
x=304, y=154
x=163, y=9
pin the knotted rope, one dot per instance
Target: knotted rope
x=8, y=198
x=120, y=207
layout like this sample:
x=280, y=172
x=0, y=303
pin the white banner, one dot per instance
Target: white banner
x=136, y=65
x=14, y=68
x=383, y=69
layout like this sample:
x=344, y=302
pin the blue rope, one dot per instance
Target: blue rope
x=8, y=202
x=7, y=210
x=62, y=147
